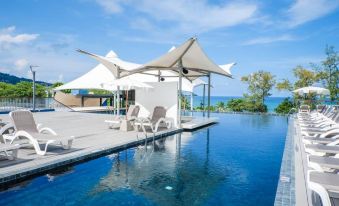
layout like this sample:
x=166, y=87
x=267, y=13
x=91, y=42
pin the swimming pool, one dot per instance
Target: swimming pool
x=235, y=162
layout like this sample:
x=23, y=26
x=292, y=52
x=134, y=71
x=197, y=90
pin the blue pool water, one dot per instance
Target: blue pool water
x=235, y=162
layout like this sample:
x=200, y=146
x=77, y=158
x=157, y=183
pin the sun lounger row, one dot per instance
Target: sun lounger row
x=156, y=120
x=320, y=137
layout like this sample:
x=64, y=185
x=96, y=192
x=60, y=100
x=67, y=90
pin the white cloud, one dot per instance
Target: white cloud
x=190, y=16
x=111, y=6
x=20, y=64
x=303, y=11
x=268, y=40
x=7, y=37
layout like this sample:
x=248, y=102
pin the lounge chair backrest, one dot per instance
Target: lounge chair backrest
x=133, y=111
x=23, y=120
x=158, y=112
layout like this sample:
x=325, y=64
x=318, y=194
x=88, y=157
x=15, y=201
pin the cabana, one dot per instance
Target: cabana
x=188, y=61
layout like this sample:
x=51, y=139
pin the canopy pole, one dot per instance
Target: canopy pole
x=209, y=95
x=192, y=103
x=179, y=93
x=115, y=103
x=203, y=100
x=118, y=94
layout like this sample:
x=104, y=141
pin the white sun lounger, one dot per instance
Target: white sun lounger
x=25, y=127
x=322, y=164
x=158, y=117
x=321, y=150
x=326, y=185
x=131, y=115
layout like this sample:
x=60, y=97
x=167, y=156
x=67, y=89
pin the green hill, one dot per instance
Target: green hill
x=11, y=79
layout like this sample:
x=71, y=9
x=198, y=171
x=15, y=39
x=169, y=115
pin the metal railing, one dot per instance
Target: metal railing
x=10, y=104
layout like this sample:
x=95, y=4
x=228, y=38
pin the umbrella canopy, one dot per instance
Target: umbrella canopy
x=317, y=90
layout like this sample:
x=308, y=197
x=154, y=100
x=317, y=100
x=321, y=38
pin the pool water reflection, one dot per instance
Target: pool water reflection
x=235, y=162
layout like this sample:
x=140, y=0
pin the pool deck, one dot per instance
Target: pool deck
x=93, y=138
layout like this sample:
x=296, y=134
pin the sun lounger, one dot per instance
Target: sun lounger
x=25, y=127
x=323, y=164
x=304, y=109
x=131, y=115
x=326, y=185
x=158, y=117
x=9, y=150
x=321, y=150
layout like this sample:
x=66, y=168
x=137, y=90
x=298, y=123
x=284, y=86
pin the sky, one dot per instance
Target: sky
x=273, y=36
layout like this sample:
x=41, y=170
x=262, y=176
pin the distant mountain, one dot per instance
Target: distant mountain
x=7, y=78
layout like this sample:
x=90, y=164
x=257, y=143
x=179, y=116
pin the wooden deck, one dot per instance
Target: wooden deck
x=93, y=138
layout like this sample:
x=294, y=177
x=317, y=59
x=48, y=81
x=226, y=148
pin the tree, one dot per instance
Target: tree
x=284, y=107
x=220, y=106
x=328, y=72
x=305, y=77
x=260, y=84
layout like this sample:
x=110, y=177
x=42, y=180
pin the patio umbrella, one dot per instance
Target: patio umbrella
x=317, y=90
x=125, y=84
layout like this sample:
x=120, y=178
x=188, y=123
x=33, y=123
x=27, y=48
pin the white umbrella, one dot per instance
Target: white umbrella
x=317, y=90
x=125, y=84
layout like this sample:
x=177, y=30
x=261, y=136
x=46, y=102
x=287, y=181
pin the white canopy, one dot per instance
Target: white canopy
x=125, y=83
x=91, y=79
x=104, y=72
x=191, y=57
x=317, y=90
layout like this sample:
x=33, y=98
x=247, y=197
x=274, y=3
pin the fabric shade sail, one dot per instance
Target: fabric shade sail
x=191, y=57
x=108, y=67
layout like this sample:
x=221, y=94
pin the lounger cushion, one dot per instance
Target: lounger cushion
x=323, y=148
x=319, y=139
x=329, y=162
x=329, y=181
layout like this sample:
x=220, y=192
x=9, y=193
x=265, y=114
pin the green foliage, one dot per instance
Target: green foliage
x=259, y=84
x=184, y=103
x=246, y=104
x=328, y=72
x=220, y=106
x=236, y=105
x=305, y=77
x=285, y=106
x=21, y=89
x=285, y=84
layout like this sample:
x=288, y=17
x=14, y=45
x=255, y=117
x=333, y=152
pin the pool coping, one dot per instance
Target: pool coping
x=286, y=194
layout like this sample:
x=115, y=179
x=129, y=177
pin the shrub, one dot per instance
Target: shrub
x=284, y=107
x=236, y=105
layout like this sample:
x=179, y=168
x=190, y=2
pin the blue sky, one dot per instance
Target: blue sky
x=269, y=35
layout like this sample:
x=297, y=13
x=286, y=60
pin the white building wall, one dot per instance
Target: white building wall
x=162, y=94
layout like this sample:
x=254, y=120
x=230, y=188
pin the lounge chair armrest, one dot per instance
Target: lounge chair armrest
x=158, y=123
x=47, y=129
x=6, y=127
x=39, y=126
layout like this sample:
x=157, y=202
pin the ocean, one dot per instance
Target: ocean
x=271, y=102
